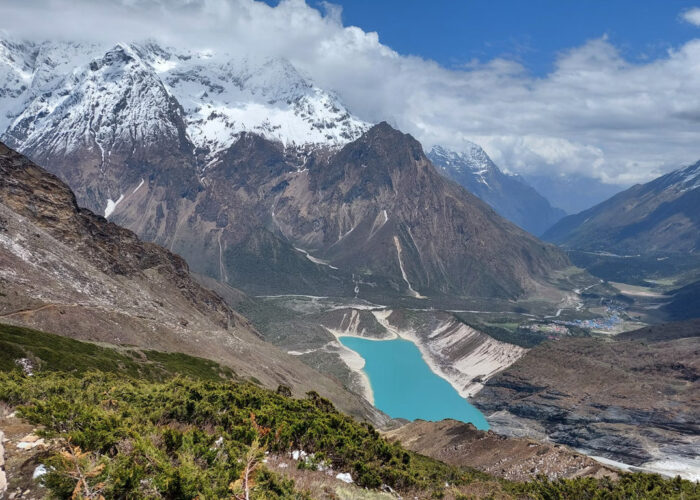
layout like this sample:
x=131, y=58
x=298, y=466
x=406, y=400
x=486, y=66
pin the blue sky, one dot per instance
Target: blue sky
x=455, y=32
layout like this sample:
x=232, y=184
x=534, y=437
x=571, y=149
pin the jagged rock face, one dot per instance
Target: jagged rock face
x=379, y=204
x=66, y=270
x=509, y=195
x=661, y=216
x=632, y=400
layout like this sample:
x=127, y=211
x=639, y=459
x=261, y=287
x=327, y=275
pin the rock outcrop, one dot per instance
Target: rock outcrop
x=633, y=400
x=516, y=459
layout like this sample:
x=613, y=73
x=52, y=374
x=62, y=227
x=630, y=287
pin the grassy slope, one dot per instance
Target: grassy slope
x=49, y=352
x=147, y=433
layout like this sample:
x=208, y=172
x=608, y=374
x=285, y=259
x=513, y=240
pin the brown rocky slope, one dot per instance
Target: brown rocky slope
x=65, y=270
x=516, y=459
x=375, y=216
x=633, y=400
x=266, y=218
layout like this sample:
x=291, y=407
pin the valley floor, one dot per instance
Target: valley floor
x=470, y=359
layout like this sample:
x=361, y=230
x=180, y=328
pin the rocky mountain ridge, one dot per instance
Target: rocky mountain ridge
x=378, y=203
x=219, y=96
x=510, y=195
x=658, y=217
x=156, y=141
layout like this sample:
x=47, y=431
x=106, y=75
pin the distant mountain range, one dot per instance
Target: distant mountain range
x=661, y=216
x=256, y=176
x=509, y=195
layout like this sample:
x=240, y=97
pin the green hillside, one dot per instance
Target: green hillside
x=132, y=424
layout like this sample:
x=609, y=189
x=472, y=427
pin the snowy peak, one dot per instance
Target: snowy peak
x=132, y=91
x=115, y=99
x=471, y=161
x=27, y=67
x=224, y=97
x=509, y=195
x=275, y=79
x=684, y=179
x=117, y=58
x=15, y=67
x=471, y=156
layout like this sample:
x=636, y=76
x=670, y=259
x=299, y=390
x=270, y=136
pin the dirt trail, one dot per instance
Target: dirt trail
x=35, y=310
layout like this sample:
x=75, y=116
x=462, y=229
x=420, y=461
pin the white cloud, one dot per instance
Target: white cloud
x=596, y=114
x=692, y=16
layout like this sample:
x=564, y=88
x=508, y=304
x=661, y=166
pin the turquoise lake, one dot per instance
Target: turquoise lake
x=404, y=386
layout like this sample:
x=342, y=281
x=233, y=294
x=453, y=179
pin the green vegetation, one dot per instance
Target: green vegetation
x=49, y=352
x=139, y=432
x=518, y=336
x=629, y=486
x=164, y=434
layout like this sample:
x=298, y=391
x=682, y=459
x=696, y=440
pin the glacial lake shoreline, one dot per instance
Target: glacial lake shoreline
x=404, y=386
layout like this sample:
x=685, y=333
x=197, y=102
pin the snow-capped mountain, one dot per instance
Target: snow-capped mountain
x=31, y=71
x=128, y=88
x=224, y=97
x=107, y=118
x=682, y=180
x=113, y=100
x=471, y=161
x=103, y=119
x=508, y=194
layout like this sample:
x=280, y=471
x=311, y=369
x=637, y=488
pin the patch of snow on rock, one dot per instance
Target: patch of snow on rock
x=345, y=477
x=39, y=471
x=138, y=187
x=111, y=205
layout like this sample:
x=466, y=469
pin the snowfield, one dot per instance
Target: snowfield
x=102, y=94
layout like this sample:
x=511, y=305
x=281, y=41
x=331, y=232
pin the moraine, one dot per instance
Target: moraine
x=404, y=386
